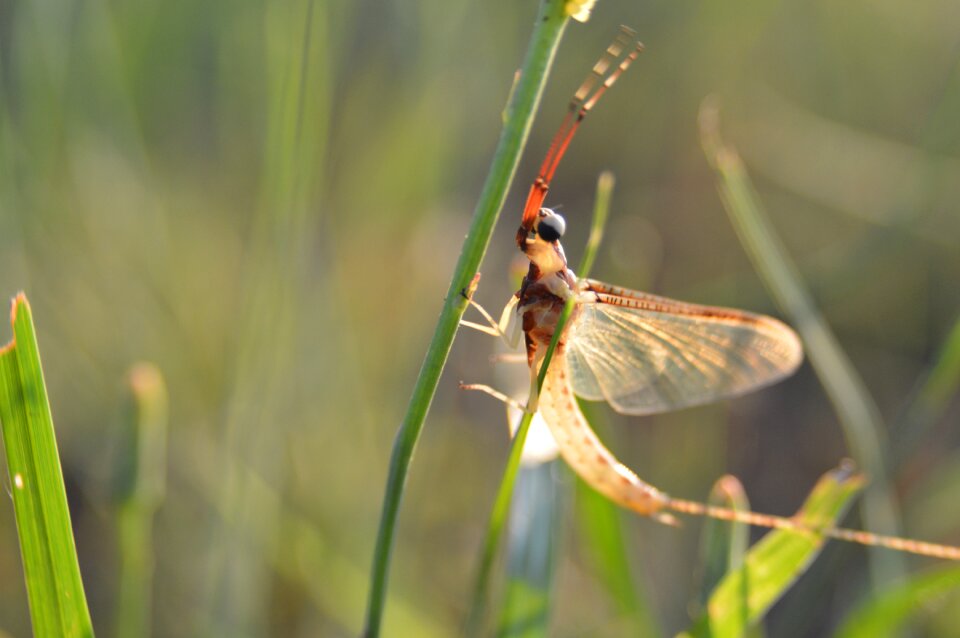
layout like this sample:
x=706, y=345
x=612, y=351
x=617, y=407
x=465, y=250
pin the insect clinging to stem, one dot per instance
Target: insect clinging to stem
x=642, y=353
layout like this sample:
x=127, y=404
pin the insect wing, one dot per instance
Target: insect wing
x=646, y=354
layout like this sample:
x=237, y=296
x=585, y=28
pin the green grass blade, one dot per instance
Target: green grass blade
x=534, y=537
x=723, y=544
x=883, y=613
x=855, y=408
x=601, y=210
x=501, y=504
x=548, y=29
x=140, y=485
x=58, y=606
x=773, y=564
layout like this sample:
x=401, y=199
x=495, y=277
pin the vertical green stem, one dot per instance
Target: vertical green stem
x=140, y=485
x=526, y=96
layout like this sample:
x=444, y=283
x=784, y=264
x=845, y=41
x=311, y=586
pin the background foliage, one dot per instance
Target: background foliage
x=286, y=283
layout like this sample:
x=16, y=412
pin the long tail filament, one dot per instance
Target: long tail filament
x=934, y=550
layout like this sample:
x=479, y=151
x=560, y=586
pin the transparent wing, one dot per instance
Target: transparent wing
x=645, y=354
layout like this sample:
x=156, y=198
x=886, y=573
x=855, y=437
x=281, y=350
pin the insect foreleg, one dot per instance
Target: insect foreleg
x=496, y=394
x=508, y=328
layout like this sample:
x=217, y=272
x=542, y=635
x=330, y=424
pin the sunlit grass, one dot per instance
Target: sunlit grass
x=58, y=605
x=158, y=203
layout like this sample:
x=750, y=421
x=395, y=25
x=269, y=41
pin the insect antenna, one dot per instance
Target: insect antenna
x=622, y=51
x=911, y=546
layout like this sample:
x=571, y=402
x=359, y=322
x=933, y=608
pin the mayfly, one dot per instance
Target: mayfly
x=641, y=353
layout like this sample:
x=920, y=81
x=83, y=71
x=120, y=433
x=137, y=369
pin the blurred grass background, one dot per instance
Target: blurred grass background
x=155, y=204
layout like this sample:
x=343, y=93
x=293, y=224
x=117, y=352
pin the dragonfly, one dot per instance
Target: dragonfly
x=641, y=353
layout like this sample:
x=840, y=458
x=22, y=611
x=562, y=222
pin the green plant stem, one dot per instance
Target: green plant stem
x=140, y=486
x=501, y=504
x=601, y=210
x=548, y=29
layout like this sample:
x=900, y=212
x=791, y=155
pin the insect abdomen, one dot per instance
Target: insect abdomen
x=585, y=453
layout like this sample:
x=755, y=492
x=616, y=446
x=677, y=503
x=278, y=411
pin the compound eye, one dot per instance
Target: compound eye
x=551, y=227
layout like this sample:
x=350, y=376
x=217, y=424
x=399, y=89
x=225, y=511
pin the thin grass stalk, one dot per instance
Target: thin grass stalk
x=855, y=408
x=547, y=32
x=140, y=486
x=501, y=504
x=533, y=543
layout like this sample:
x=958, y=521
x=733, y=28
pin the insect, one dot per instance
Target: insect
x=641, y=353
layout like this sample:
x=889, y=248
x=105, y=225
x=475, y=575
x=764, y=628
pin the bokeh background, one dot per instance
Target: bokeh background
x=272, y=218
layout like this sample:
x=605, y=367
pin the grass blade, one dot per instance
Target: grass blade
x=140, y=485
x=883, y=613
x=526, y=96
x=773, y=564
x=856, y=410
x=535, y=518
x=58, y=606
x=723, y=544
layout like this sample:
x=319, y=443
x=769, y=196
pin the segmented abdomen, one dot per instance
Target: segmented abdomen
x=584, y=452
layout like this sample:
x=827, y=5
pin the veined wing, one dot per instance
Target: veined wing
x=646, y=354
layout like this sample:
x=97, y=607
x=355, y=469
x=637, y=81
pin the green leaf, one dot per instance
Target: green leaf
x=773, y=564
x=881, y=614
x=58, y=606
x=723, y=544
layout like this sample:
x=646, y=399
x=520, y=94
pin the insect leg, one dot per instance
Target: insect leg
x=496, y=394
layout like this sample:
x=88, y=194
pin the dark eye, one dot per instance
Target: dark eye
x=551, y=228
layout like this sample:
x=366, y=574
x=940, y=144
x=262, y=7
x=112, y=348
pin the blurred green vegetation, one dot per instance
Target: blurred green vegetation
x=286, y=282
